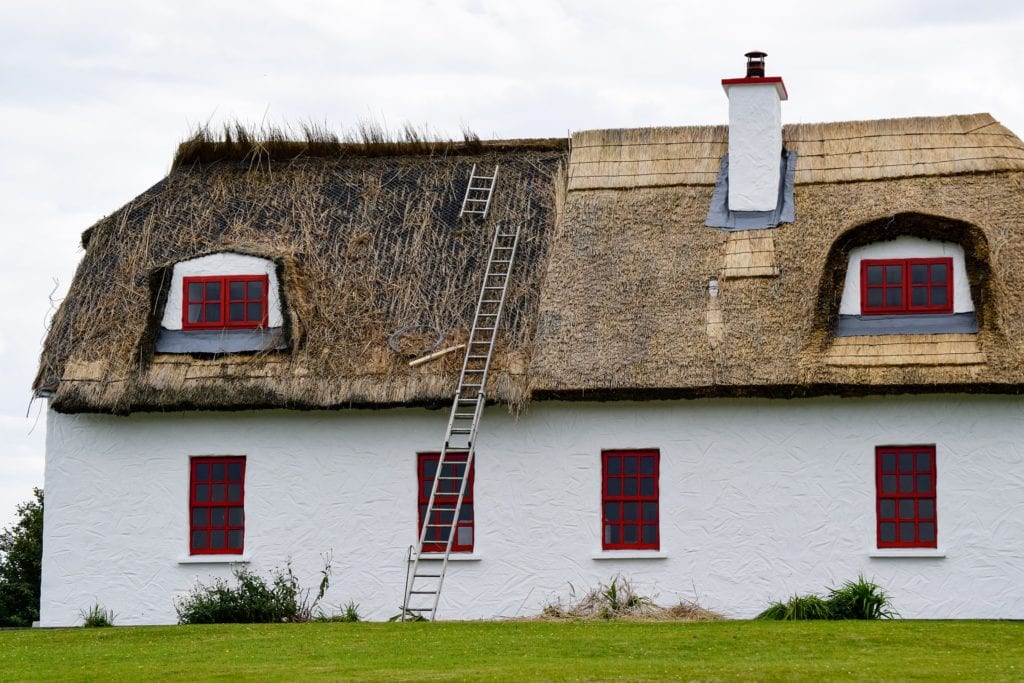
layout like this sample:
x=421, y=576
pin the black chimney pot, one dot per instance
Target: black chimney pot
x=755, y=64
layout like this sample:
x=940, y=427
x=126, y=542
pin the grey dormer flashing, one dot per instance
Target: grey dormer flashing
x=719, y=215
x=220, y=341
x=940, y=323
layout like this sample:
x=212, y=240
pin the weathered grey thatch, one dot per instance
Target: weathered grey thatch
x=365, y=245
x=611, y=299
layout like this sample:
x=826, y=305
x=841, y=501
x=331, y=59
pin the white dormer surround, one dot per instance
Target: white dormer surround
x=755, y=140
x=224, y=263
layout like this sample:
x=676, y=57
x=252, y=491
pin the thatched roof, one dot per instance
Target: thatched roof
x=365, y=245
x=611, y=299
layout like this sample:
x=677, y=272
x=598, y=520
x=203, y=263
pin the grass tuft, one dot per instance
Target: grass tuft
x=97, y=617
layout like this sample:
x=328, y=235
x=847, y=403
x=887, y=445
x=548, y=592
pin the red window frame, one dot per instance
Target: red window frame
x=220, y=300
x=629, y=499
x=908, y=269
x=216, y=511
x=905, y=507
x=448, y=493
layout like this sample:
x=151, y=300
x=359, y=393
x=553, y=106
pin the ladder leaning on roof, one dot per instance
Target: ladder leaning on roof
x=479, y=191
x=454, y=468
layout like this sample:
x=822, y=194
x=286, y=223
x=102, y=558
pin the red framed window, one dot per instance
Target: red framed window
x=217, y=505
x=899, y=286
x=224, y=301
x=629, y=499
x=448, y=494
x=905, y=485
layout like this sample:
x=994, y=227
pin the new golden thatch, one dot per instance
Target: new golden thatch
x=611, y=298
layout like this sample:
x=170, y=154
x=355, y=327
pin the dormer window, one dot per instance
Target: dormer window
x=224, y=302
x=906, y=286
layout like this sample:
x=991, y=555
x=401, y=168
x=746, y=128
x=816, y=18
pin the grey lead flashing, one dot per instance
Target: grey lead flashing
x=863, y=325
x=719, y=215
x=219, y=341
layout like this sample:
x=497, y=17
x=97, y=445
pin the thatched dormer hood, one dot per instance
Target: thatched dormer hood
x=611, y=297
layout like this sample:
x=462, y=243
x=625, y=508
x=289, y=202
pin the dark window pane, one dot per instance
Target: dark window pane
x=213, y=291
x=450, y=486
x=218, y=516
x=939, y=273
x=235, y=517
x=611, y=512
x=924, y=483
x=887, y=508
x=926, y=531
x=611, y=533
x=254, y=312
x=198, y=539
x=874, y=297
x=235, y=539
x=216, y=539
x=217, y=471
x=202, y=493
x=614, y=487
x=445, y=517
x=888, y=484
x=894, y=296
x=893, y=275
x=906, y=483
x=629, y=465
x=466, y=512
x=650, y=512
x=195, y=313
x=906, y=462
x=907, y=531
x=236, y=311
x=631, y=512
x=235, y=471
x=212, y=313
x=630, y=533
x=919, y=273
x=429, y=468
x=199, y=517
x=887, y=532
x=926, y=508
x=629, y=487
x=650, y=534
x=195, y=291
x=938, y=296
x=888, y=462
x=647, y=486
x=647, y=464
x=614, y=465
x=255, y=290
x=874, y=275
x=202, y=472
x=918, y=296
x=218, y=493
x=453, y=469
x=423, y=511
x=924, y=461
x=234, y=492
x=907, y=508
x=425, y=490
x=236, y=290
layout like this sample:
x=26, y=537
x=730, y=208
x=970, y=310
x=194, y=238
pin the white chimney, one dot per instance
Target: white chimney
x=755, y=137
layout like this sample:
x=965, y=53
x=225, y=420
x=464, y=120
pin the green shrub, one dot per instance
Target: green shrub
x=252, y=600
x=860, y=599
x=349, y=614
x=97, y=617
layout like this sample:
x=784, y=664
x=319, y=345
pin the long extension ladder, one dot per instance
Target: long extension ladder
x=478, y=193
x=454, y=469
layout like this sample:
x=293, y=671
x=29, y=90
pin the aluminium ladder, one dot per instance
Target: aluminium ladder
x=454, y=468
x=478, y=193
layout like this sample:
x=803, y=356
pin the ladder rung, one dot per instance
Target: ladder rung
x=426, y=576
x=451, y=479
x=422, y=592
x=476, y=357
x=461, y=431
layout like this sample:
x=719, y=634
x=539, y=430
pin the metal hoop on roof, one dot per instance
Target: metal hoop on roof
x=399, y=333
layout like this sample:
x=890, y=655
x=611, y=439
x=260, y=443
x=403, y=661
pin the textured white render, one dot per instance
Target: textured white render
x=222, y=264
x=906, y=247
x=755, y=146
x=760, y=499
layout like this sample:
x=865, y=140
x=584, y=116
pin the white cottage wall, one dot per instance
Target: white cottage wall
x=759, y=499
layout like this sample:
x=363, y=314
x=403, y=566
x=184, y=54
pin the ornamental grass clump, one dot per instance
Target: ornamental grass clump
x=860, y=599
x=618, y=599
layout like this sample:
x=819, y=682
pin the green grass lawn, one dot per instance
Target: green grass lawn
x=742, y=650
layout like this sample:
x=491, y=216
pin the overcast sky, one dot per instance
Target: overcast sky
x=94, y=97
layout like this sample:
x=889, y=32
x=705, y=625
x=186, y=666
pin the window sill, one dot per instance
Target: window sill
x=629, y=555
x=896, y=553
x=454, y=557
x=214, y=559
